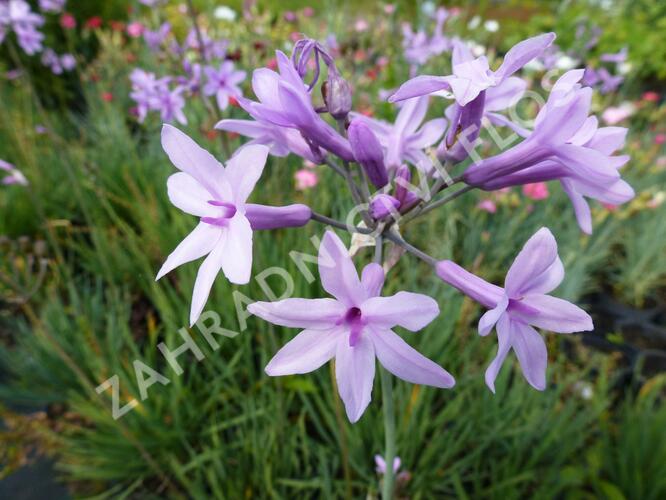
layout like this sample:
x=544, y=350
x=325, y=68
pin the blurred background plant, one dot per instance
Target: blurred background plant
x=83, y=240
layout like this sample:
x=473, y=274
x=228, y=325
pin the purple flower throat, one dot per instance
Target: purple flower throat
x=353, y=320
x=227, y=211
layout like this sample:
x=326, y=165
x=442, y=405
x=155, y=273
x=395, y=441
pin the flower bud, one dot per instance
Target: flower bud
x=368, y=152
x=337, y=95
x=383, y=205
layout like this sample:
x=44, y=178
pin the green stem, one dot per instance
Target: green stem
x=389, y=431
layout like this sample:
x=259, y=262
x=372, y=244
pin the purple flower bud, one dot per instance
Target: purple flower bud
x=265, y=217
x=337, y=95
x=382, y=205
x=368, y=152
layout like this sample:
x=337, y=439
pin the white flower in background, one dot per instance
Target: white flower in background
x=225, y=13
x=428, y=8
x=565, y=63
x=474, y=23
x=491, y=25
x=477, y=49
x=624, y=68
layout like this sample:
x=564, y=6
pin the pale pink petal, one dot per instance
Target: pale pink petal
x=407, y=363
x=554, y=314
x=237, y=263
x=314, y=314
x=419, y=86
x=306, y=352
x=244, y=170
x=198, y=243
x=581, y=208
x=534, y=259
x=372, y=279
x=192, y=159
x=531, y=352
x=488, y=320
x=412, y=311
x=503, y=348
x=186, y=193
x=523, y=52
x=337, y=271
x=206, y=275
x=354, y=373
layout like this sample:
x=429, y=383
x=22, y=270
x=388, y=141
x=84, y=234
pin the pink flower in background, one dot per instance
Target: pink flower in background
x=135, y=29
x=389, y=8
x=305, y=179
x=14, y=175
x=308, y=12
x=650, y=96
x=361, y=25
x=660, y=139
x=487, y=205
x=615, y=115
x=536, y=190
x=355, y=327
x=67, y=21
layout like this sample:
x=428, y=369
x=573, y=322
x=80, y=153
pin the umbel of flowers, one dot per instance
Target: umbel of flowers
x=354, y=324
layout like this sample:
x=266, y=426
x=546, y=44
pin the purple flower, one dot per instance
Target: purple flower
x=579, y=184
x=51, y=60
x=522, y=305
x=473, y=76
x=617, y=58
x=68, y=62
x=368, y=152
x=223, y=83
x=281, y=141
x=152, y=94
x=285, y=101
x=14, y=175
x=354, y=327
x=419, y=47
x=53, y=6
x=380, y=464
x=406, y=139
x=17, y=16
x=218, y=195
x=154, y=39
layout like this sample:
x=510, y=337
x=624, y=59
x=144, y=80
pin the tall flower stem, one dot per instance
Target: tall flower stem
x=389, y=434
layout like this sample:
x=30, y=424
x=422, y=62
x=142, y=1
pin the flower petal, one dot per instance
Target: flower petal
x=419, y=86
x=407, y=363
x=412, y=311
x=186, y=193
x=531, y=352
x=581, y=208
x=553, y=314
x=410, y=116
x=314, y=314
x=337, y=271
x=534, y=259
x=306, y=352
x=522, y=53
x=244, y=169
x=372, y=279
x=503, y=348
x=505, y=95
x=192, y=159
x=206, y=275
x=354, y=373
x=237, y=263
x=488, y=320
x=429, y=134
x=198, y=243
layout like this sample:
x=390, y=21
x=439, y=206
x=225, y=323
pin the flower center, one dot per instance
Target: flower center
x=226, y=211
x=352, y=318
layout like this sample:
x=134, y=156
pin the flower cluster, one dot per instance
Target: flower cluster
x=17, y=16
x=216, y=76
x=355, y=324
